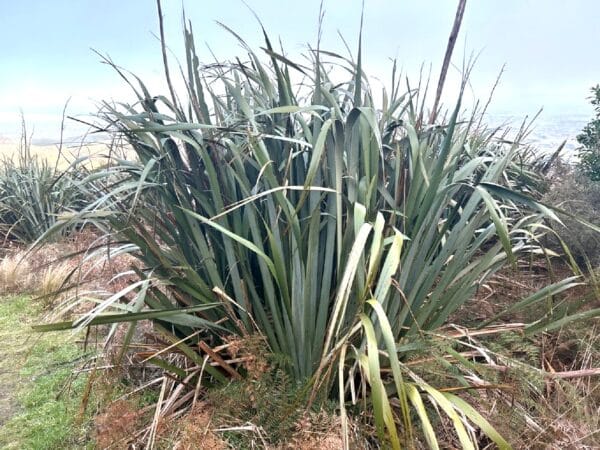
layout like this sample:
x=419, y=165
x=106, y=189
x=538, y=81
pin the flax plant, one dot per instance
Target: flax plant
x=33, y=193
x=272, y=197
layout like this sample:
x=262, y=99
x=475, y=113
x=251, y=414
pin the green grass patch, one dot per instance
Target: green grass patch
x=39, y=397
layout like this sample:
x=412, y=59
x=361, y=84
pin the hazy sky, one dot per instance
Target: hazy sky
x=550, y=47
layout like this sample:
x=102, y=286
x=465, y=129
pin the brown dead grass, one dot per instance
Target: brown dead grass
x=56, y=271
x=251, y=351
x=117, y=425
x=195, y=431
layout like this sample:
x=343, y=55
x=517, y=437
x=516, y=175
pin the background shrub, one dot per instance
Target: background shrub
x=580, y=196
x=589, y=153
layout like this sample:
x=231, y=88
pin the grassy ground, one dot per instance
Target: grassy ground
x=39, y=398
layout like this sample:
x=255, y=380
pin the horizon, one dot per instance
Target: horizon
x=546, y=51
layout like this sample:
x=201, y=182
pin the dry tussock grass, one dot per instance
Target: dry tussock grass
x=16, y=274
x=52, y=281
x=55, y=270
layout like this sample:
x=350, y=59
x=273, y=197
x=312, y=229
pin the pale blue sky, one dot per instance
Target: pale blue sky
x=550, y=47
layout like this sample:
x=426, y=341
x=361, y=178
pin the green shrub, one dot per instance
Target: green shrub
x=589, y=153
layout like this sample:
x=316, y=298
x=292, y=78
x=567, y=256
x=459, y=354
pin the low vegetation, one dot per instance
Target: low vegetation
x=40, y=398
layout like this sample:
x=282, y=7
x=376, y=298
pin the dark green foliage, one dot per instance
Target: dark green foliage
x=589, y=153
